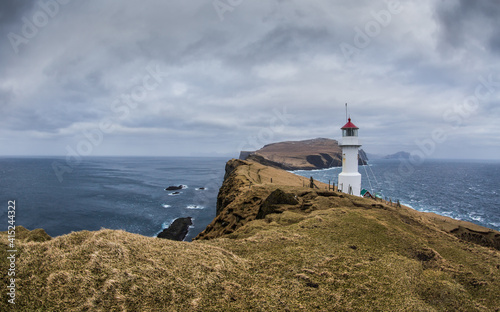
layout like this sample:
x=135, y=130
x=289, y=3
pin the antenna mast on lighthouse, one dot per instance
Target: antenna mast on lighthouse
x=345, y=112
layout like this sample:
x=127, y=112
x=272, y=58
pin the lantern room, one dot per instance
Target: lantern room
x=349, y=129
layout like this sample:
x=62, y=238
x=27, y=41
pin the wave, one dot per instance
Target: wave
x=201, y=188
x=495, y=224
x=315, y=170
x=166, y=224
x=175, y=194
x=407, y=205
x=195, y=207
x=476, y=217
x=166, y=206
x=184, y=187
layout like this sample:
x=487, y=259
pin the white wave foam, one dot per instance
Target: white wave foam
x=495, y=224
x=447, y=214
x=166, y=224
x=195, y=207
x=201, y=189
x=407, y=205
x=166, y=206
x=476, y=217
x=173, y=194
x=184, y=187
x=315, y=170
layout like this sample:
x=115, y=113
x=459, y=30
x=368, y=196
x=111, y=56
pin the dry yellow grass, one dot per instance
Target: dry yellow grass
x=115, y=270
x=338, y=254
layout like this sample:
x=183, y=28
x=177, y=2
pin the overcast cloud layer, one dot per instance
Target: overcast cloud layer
x=212, y=77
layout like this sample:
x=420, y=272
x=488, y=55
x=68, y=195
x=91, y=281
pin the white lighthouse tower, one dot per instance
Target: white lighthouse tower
x=349, y=178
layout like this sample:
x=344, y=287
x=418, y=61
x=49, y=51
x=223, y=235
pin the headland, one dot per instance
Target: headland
x=320, y=153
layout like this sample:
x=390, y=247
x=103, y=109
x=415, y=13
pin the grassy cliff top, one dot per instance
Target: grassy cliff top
x=319, y=251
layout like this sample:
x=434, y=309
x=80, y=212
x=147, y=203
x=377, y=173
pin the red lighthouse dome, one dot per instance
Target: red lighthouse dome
x=349, y=129
x=348, y=125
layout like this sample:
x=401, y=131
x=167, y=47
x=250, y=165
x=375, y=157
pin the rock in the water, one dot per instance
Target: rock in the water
x=177, y=230
x=174, y=188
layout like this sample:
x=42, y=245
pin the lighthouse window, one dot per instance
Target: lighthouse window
x=350, y=132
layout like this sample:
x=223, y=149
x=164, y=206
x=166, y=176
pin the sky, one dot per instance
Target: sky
x=213, y=77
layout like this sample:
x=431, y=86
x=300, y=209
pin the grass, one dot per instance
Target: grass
x=319, y=261
x=339, y=254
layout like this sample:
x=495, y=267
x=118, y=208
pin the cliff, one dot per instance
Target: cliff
x=246, y=187
x=274, y=246
x=300, y=155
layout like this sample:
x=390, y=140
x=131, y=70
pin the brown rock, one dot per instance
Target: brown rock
x=273, y=202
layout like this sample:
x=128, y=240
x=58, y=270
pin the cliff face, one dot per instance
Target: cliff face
x=246, y=187
x=300, y=155
x=274, y=246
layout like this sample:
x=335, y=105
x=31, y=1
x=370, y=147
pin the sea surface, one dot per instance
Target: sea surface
x=111, y=192
x=129, y=193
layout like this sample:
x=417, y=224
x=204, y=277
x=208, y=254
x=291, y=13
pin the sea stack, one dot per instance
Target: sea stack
x=177, y=230
x=349, y=178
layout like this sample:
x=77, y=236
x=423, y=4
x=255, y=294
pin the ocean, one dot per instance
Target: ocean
x=129, y=193
x=125, y=193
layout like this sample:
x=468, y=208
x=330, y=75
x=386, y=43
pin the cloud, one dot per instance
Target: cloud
x=465, y=24
x=222, y=81
x=12, y=11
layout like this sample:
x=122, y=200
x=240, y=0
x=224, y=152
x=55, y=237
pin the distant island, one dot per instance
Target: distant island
x=320, y=153
x=398, y=155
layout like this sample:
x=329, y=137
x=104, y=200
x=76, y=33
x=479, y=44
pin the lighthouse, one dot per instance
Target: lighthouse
x=349, y=178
